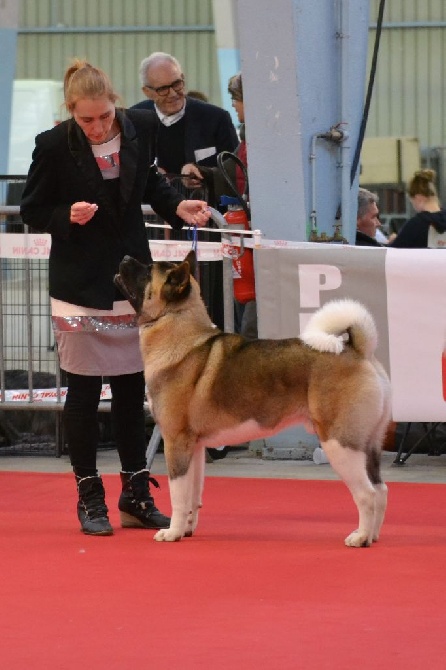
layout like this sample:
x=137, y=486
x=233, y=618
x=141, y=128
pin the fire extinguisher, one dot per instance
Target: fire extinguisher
x=238, y=215
x=243, y=265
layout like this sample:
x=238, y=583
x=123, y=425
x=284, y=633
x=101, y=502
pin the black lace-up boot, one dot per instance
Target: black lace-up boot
x=136, y=505
x=91, y=508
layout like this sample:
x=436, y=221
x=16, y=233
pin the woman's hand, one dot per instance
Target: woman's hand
x=82, y=212
x=194, y=212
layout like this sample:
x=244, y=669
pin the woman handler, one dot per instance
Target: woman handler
x=85, y=186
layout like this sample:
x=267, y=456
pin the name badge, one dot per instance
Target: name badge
x=201, y=154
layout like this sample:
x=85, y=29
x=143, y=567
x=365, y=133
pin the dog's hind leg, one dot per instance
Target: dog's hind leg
x=350, y=465
x=197, y=466
x=373, y=471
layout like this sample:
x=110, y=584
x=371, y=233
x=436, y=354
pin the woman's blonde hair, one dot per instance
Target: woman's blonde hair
x=423, y=183
x=82, y=80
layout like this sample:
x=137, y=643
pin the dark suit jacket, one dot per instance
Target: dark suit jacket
x=363, y=240
x=207, y=127
x=84, y=259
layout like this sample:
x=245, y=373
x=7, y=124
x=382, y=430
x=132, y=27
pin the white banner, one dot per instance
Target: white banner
x=416, y=312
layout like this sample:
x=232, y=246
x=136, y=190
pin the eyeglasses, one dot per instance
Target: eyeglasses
x=177, y=86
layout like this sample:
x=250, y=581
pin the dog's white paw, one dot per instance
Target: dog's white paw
x=357, y=539
x=192, y=523
x=167, y=535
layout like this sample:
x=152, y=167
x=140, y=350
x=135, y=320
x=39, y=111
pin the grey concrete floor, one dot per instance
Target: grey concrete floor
x=242, y=463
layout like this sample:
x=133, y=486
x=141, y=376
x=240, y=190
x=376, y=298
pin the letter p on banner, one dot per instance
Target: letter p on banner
x=316, y=278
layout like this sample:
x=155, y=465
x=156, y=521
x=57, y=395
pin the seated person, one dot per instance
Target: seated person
x=367, y=221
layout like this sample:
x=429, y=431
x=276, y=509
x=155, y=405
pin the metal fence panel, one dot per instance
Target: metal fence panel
x=30, y=417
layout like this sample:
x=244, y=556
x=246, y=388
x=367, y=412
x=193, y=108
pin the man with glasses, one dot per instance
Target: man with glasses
x=191, y=131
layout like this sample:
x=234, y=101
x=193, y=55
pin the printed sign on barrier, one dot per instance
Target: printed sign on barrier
x=402, y=288
x=25, y=245
x=46, y=395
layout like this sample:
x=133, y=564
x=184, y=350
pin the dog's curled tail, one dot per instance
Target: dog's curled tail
x=326, y=328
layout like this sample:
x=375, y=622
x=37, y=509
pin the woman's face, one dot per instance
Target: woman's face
x=418, y=202
x=95, y=116
x=239, y=109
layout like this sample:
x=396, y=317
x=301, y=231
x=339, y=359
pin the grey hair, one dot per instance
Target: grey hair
x=365, y=199
x=155, y=58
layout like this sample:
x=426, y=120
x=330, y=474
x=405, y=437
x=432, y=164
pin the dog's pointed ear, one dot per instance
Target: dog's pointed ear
x=177, y=284
x=191, y=258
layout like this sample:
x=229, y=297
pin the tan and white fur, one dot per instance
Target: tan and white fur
x=208, y=388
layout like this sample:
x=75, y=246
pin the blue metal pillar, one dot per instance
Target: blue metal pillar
x=227, y=50
x=9, y=15
x=304, y=65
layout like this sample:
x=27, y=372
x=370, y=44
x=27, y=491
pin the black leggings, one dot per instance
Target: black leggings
x=128, y=420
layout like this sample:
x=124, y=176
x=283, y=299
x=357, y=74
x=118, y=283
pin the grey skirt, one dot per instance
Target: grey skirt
x=96, y=342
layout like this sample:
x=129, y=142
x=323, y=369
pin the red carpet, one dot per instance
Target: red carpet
x=266, y=582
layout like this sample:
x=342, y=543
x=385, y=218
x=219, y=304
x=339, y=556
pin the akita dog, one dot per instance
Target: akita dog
x=207, y=388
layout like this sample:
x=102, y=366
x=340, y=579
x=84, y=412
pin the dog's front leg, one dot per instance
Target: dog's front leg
x=197, y=465
x=180, y=495
x=181, y=486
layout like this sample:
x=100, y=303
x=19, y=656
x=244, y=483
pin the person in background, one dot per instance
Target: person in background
x=367, y=221
x=85, y=186
x=198, y=95
x=213, y=177
x=427, y=229
x=190, y=130
x=245, y=313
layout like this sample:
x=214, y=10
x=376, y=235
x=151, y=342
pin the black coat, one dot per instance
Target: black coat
x=415, y=232
x=363, y=240
x=206, y=126
x=84, y=259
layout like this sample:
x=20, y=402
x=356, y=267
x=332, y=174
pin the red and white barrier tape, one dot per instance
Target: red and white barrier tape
x=27, y=245
x=46, y=395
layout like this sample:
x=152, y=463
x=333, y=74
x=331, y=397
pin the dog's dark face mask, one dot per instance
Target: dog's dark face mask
x=132, y=281
x=172, y=279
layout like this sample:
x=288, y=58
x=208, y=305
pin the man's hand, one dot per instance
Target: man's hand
x=192, y=177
